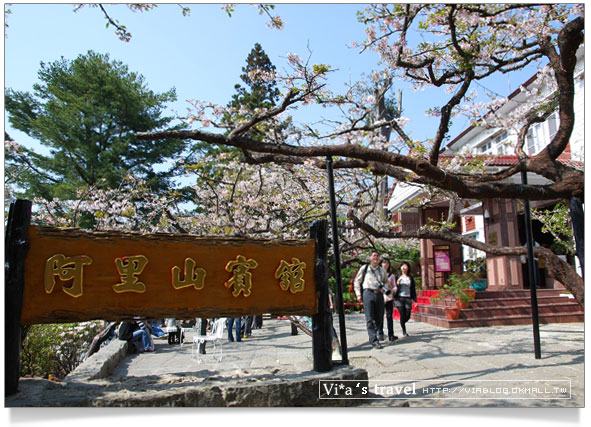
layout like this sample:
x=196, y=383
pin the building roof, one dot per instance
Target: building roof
x=510, y=160
x=401, y=192
x=512, y=96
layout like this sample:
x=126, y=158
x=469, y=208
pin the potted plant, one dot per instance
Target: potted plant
x=457, y=288
x=452, y=313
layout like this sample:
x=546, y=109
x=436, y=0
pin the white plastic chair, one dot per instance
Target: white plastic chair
x=216, y=336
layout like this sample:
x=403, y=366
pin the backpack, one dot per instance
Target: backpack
x=365, y=267
x=126, y=330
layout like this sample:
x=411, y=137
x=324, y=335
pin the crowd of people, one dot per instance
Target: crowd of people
x=375, y=285
x=139, y=332
x=379, y=289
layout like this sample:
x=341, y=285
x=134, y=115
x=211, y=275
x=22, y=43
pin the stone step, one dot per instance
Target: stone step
x=507, y=302
x=491, y=308
x=520, y=293
x=524, y=309
x=503, y=302
x=497, y=321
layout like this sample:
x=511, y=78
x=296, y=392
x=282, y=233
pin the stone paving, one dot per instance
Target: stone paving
x=433, y=367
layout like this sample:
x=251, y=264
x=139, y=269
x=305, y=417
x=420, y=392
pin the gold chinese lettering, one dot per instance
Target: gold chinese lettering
x=193, y=277
x=66, y=268
x=129, y=268
x=291, y=276
x=242, y=278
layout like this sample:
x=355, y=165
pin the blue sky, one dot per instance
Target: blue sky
x=202, y=55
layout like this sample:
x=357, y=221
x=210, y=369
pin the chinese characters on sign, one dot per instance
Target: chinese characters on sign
x=129, y=268
x=195, y=278
x=291, y=276
x=66, y=268
x=242, y=279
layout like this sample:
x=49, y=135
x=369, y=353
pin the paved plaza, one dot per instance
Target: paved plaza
x=433, y=367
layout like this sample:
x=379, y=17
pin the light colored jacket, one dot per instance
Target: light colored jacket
x=392, y=286
x=371, y=278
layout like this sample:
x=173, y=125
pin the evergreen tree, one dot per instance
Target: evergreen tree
x=260, y=93
x=259, y=76
x=87, y=112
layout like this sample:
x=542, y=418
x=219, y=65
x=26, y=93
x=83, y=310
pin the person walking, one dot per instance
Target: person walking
x=389, y=303
x=368, y=285
x=246, y=328
x=258, y=321
x=238, y=322
x=405, y=294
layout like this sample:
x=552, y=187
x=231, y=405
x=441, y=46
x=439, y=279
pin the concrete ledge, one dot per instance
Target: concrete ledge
x=101, y=364
x=259, y=388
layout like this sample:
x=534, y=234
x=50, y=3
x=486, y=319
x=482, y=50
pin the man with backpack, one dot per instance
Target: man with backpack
x=369, y=285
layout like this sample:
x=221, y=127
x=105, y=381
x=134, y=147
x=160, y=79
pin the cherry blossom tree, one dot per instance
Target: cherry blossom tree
x=451, y=47
x=123, y=33
x=227, y=196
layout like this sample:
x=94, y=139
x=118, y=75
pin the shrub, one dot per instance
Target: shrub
x=56, y=349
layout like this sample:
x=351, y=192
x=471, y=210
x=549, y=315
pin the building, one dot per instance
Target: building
x=495, y=221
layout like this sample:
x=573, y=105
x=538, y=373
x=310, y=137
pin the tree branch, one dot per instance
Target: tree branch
x=557, y=268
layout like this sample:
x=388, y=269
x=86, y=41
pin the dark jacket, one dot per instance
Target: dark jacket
x=413, y=289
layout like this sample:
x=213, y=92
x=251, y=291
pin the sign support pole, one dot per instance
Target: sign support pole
x=16, y=246
x=321, y=325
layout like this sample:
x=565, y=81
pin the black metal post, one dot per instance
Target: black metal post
x=337, y=261
x=321, y=324
x=578, y=220
x=531, y=273
x=16, y=246
x=202, y=331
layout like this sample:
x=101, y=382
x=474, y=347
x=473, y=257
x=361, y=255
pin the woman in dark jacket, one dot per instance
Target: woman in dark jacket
x=405, y=295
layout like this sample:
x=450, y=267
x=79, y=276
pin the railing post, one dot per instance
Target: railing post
x=321, y=325
x=16, y=246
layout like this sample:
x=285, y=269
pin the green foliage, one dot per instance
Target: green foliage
x=456, y=287
x=399, y=254
x=56, y=349
x=347, y=275
x=321, y=68
x=261, y=92
x=476, y=267
x=87, y=112
x=557, y=222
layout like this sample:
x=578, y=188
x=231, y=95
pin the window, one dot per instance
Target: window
x=552, y=125
x=540, y=134
x=500, y=138
x=485, y=148
x=494, y=145
x=470, y=252
x=535, y=139
x=499, y=142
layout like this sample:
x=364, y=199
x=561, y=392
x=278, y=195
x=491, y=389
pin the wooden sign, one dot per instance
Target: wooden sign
x=492, y=238
x=73, y=275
